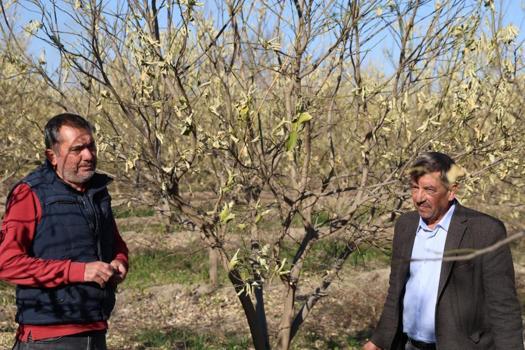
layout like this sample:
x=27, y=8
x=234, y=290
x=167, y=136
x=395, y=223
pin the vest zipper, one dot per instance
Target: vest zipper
x=96, y=228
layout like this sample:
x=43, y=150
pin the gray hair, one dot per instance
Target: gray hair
x=431, y=162
x=52, y=128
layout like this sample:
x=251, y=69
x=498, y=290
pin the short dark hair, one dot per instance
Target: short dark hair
x=430, y=162
x=53, y=125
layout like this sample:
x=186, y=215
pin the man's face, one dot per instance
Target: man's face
x=431, y=197
x=75, y=156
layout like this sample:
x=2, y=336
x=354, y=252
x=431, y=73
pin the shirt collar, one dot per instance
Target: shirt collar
x=444, y=223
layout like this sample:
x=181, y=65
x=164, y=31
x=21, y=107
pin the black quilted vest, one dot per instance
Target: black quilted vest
x=76, y=226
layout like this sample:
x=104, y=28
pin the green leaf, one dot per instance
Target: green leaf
x=303, y=118
x=234, y=260
x=280, y=270
x=230, y=183
x=159, y=136
x=292, y=140
x=244, y=112
x=294, y=132
x=185, y=130
x=261, y=215
x=226, y=216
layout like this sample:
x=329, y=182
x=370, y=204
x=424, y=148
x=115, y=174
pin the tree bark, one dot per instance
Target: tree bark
x=213, y=267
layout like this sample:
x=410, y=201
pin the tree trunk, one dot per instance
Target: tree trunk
x=213, y=267
x=287, y=319
x=260, y=340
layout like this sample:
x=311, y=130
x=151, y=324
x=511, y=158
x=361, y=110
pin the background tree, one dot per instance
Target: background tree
x=288, y=117
x=25, y=101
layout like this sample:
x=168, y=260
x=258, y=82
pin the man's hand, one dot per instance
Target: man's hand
x=98, y=272
x=371, y=346
x=120, y=272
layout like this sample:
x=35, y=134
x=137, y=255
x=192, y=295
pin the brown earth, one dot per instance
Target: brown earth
x=352, y=305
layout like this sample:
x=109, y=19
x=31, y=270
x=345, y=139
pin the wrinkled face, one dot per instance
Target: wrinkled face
x=431, y=197
x=74, y=157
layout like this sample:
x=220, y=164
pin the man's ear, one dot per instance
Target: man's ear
x=453, y=189
x=51, y=157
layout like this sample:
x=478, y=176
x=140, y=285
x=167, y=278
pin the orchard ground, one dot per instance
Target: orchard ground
x=166, y=302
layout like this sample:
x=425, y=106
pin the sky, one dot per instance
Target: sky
x=513, y=10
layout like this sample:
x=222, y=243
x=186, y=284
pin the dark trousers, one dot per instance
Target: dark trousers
x=83, y=341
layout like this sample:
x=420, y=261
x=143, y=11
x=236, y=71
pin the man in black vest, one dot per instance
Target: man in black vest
x=60, y=245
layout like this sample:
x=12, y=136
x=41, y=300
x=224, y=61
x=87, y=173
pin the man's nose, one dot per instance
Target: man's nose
x=419, y=195
x=88, y=154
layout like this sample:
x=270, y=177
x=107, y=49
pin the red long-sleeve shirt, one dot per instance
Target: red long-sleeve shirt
x=23, y=213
